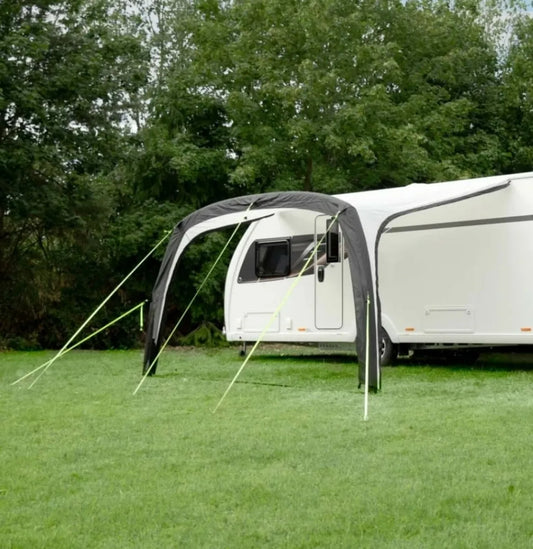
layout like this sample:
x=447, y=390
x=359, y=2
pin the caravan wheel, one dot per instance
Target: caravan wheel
x=388, y=351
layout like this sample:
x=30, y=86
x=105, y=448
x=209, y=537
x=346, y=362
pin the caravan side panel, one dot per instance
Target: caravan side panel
x=252, y=296
x=461, y=273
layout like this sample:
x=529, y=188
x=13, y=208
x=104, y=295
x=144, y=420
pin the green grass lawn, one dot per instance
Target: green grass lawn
x=444, y=460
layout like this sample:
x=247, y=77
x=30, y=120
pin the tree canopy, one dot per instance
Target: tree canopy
x=333, y=95
x=69, y=76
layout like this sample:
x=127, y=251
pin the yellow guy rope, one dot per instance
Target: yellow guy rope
x=367, y=356
x=276, y=312
x=92, y=315
x=78, y=343
x=148, y=370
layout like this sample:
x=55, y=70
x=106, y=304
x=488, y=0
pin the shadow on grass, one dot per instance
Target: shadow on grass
x=285, y=360
x=494, y=361
x=218, y=378
x=489, y=361
x=278, y=368
x=501, y=360
x=329, y=358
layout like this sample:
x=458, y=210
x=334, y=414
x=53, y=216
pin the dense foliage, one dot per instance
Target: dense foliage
x=118, y=118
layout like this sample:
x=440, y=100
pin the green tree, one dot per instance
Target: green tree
x=517, y=98
x=334, y=95
x=448, y=86
x=181, y=154
x=70, y=74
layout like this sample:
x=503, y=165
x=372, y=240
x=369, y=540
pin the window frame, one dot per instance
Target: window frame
x=261, y=273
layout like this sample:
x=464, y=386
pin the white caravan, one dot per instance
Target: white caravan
x=454, y=269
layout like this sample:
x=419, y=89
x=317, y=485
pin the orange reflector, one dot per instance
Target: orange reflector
x=302, y=329
x=409, y=329
x=525, y=329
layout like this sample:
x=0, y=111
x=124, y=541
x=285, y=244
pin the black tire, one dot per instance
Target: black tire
x=388, y=351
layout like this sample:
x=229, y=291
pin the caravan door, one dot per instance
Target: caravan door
x=328, y=274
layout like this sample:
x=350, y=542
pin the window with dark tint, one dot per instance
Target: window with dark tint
x=272, y=259
x=332, y=242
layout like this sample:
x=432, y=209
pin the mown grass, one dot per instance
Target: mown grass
x=287, y=461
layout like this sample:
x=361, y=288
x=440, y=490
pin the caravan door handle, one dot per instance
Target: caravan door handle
x=320, y=273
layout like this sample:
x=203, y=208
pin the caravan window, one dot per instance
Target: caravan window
x=332, y=242
x=272, y=258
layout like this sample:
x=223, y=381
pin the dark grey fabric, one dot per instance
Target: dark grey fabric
x=363, y=284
